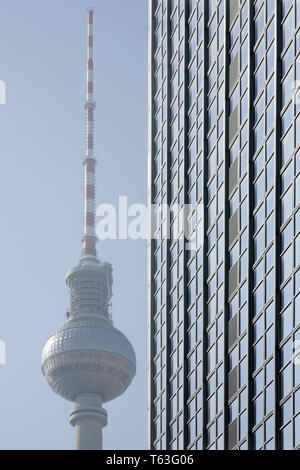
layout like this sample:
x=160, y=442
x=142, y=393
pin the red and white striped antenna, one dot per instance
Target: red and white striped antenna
x=89, y=236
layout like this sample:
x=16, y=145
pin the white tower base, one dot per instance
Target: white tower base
x=88, y=418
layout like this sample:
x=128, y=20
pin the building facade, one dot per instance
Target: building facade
x=224, y=132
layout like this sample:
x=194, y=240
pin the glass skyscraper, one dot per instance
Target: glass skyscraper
x=224, y=132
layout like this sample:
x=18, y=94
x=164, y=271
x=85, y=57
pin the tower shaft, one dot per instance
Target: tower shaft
x=88, y=418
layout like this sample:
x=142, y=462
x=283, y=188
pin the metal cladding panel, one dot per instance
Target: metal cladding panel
x=233, y=176
x=232, y=331
x=233, y=434
x=233, y=279
x=233, y=124
x=234, y=73
x=233, y=382
x=233, y=227
x=233, y=9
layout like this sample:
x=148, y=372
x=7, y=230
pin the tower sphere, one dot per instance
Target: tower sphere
x=88, y=355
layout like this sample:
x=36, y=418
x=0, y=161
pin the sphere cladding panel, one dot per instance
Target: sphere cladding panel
x=75, y=377
x=83, y=335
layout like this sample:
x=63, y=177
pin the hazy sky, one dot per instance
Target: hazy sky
x=42, y=61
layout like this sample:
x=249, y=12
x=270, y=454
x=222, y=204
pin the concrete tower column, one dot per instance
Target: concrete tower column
x=88, y=418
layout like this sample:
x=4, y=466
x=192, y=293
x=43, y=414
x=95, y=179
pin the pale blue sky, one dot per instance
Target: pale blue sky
x=42, y=61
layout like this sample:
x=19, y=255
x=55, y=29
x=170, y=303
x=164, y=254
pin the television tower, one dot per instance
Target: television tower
x=88, y=361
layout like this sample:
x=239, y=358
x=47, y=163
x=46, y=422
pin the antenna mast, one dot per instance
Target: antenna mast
x=89, y=237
